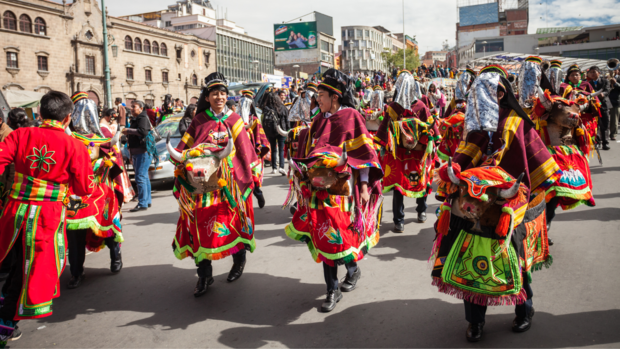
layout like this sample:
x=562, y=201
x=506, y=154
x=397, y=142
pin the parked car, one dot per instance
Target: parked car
x=259, y=88
x=165, y=169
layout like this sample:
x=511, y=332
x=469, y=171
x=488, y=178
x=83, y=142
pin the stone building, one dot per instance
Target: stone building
x=52, y=46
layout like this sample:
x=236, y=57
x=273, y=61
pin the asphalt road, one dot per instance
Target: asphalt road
x=276, y=302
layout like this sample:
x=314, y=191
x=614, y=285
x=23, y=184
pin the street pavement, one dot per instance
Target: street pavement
x=276, y=303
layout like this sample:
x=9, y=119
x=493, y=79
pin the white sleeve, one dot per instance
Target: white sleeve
x=364, y=174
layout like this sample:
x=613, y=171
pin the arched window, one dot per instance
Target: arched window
x=128, y=43
x=10, y=21
x=155, y=48
x=39, y=26
x=164, y=49
x=137, y=45
x=25, y=24
x=147, y=46
x=194, y=80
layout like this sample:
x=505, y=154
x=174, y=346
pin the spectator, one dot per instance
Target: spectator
x=274, y=115
x=141, y=159
x=18, y=118
x=190, y=112
x=122, y=112
x=152, y=114
x=614, y=98
x=600, y=83
x=282, y=95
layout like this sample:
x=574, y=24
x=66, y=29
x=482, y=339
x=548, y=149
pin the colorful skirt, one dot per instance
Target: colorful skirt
x=333, y=235
x=213, y=226
x=410, y=172
x=575, y=186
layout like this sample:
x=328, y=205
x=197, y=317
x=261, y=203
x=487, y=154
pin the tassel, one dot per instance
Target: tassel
x=504, y=225
x=443, y=223
x=289, y=195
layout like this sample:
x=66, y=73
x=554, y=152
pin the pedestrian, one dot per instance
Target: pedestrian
x=614, y=98
x=166, y=110
x=388, y=95
x=151, y=112
x=46, y=158
x=6, y=182
x=282, y=96
x=338, y=227
x=219, y=222
x=122, y=112
x=274, y=116
x=574, y=85
x=187, y=119
x=141, y=159
x=438, y=100
x=600, y=83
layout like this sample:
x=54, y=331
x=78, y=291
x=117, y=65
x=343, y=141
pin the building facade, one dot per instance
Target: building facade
x=50, y=46
x=434, y=57
x=240, y=57
x=362, y=47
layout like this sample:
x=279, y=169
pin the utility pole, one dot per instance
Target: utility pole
x=106, y=69
x=405, y=47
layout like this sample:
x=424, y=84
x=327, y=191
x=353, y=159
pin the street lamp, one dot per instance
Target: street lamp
x=256, y=63
x=114, y=50
x=484, y=49
x=296, y=72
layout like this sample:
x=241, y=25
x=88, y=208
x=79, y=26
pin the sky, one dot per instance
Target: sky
x=431, y=21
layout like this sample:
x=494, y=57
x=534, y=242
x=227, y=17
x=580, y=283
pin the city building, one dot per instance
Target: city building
x=240, y=57
x=600, y=42
x=59, y=46
x=412, y=43
x=305, y=44
x=434, y=57
x=362, y=47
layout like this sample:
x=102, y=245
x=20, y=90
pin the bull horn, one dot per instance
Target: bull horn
x=584, y=107
x=453, y=178
x=116, y=138
x=174, y=154
x=344, y=157
x=281, y=131
x=223, y=154
x=543, y=99
x=248, y=126
x=512, y=191
x=595, y=94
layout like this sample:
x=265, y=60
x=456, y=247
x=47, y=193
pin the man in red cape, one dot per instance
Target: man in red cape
x=33, y=221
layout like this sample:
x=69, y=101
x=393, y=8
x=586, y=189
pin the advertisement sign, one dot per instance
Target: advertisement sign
x=297, y=57
x=479, y=14
x=287, y=81
x=277, y=80
x=295, y=36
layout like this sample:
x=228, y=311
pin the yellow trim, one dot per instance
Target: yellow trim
x=567, y=91
x=543, y=172
x=471, y=150
x=358, y=142
x=188, y=140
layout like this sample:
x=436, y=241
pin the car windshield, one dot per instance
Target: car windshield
x=169, y=127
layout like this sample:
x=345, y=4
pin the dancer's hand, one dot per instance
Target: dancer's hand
x=365, y=194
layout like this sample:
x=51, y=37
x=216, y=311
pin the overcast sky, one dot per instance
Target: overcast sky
x=431, y=21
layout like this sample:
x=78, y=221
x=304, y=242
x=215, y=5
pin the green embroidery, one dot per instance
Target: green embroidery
x=334, y=237
x=41, y=159
x=222, y=230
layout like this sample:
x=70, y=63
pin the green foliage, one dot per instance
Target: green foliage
x=396, y=59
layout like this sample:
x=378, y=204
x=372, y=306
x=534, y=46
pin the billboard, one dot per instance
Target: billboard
x=295, y=36
x=478, y=14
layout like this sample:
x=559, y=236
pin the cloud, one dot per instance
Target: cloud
x=430, y=21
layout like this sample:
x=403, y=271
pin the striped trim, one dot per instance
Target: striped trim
x=188, y=140
x=471, y=150
x=534, y=59
x=332, y=88
x=556, y=64
x=495, y=68
x=471, y=71
x=216, y=83
x=247, y=92
x=79, y=96
x=91, y=140
x=26, y=188
x=49, y=123
x=545, y=171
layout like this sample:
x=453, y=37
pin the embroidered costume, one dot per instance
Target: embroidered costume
x=33, y=220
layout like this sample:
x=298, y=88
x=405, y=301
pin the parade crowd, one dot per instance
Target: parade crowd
x=504, y=155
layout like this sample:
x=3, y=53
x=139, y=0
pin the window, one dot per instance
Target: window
x=324, y=45
x=11, y=60
x=128, y=43
x=89, y=35
x=344, y=33
x=164, y=49
x=39, y=26
x=207, y=56
x=137, y=45
x=168, y=23
x=194, y=80
x=366, y=33
x=350, y=32
x=331, y=48
x=129, y=73
x=147, y=46
x=179, y=53
x=10, y=21
x=25, y=24
x=147, y=76
x=90, y=65
x=155, y=48
x=164, y=76
x=358, y=33
x=42, y=63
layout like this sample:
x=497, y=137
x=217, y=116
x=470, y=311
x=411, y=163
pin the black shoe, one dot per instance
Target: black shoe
x=293, y=208
x=202, y=285
x=116, y=264
x=17, y=334
x=75, y=282
x=333, y=297
x=399, y=227
x=350, y=283
x=421, y=217
x=523, y=324
x=236, y=272
x=548, y=226
x=138, y=208
x=606, y=147
x=550, y=241
x=149, y=205
x=474, y=332
x=261, y=200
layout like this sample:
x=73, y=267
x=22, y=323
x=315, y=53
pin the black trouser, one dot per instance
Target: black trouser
x=13, y=285
x=205, y=269
x=398, y=207
x=550, y=210
x=76, y=241
x=277, y=144
x=331, y=274
x=257, y=191
x=7, y=263
x=475, y=313
x=603, y=125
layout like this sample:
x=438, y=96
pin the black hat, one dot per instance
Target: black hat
x=214, y=80
x=339, y=83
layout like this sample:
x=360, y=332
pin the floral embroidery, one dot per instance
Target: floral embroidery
x=41, y=159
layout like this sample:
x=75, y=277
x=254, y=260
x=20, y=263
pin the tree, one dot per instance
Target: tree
x=396, y=59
